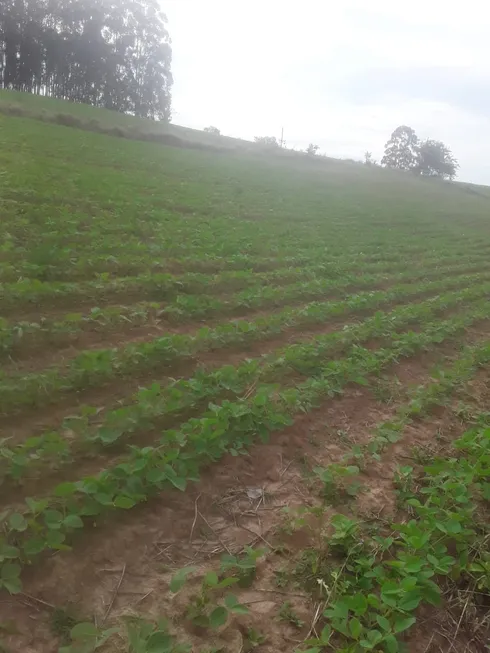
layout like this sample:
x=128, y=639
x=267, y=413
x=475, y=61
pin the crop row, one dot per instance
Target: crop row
x=229, y=427
x=53, y=270
x=161, y=286
x=61, y=261
x=384, y=580
x=93, y=368
x=159, y=267
x=18, y=339
x=421, y=400
x=156, y=402
x=376, y=590
x=426, y=397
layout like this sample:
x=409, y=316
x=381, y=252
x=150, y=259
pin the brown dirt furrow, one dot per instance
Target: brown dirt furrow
x=152, y=540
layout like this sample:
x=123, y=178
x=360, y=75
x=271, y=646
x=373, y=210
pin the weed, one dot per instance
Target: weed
x=62, y=622
x=387, y=390
x=287, y=614
x=422, y=455
x=253, y=639
x=343, y=436
x=281, y=577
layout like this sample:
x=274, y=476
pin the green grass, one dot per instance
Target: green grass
x=50, y=109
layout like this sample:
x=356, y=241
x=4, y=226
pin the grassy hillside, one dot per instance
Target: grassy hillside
x=49, y=109
x=223, y=378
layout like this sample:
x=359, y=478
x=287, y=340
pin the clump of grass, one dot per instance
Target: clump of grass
x=62, y=621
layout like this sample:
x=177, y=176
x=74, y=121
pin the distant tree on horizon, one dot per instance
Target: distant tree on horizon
x=429, y=158
x=212, y=130
x=436, y=160
x=401, y=150
x=266, y=141
x=368, y=159
x=312, y=149
x=111, y=54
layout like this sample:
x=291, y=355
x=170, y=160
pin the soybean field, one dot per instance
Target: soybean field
x=244, y=400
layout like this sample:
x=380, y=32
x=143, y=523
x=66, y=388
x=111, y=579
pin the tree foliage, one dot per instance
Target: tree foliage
x=266, y=141
x=312, y=149
x=368, y=159
x=429, y=158
x=108, y=53
x=401, y=149
x=212, y=130
x=436, y=160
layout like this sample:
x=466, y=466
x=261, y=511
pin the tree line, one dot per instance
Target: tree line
x=114, y=54
x=404, y=151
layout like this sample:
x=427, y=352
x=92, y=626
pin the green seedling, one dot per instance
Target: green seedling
x=87, y=638
x=338, y=480
x=202, y=609
x=253, y=640
x=244, y=567
x=281, y=577
x=288, y=614
x=346, y=536
x=149, y=637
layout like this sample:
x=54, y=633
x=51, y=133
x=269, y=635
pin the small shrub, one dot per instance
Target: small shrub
x=267, y=142
x=117, y=131
x=12, y=110
x=67, y=120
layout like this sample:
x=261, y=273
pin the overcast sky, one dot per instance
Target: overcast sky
x=340, y=74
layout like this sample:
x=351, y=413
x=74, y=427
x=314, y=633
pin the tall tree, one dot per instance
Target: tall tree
x=110, y=53
x=436, y=160
x=401, y=151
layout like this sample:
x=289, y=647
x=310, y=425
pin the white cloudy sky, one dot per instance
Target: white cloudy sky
x=340, y=74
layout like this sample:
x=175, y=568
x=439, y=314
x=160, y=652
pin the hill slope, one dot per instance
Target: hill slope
x=165, y=309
